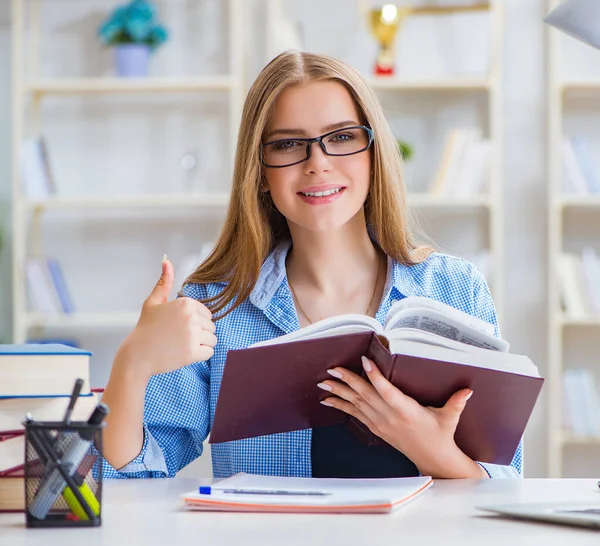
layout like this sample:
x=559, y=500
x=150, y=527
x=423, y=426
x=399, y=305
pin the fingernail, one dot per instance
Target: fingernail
x=468, y=396
x=325, y=403
x=334, y=373
x=324, y=386
x=164, y=258
x=366, y=364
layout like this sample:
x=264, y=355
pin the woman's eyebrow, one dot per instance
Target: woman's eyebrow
x=325, y=129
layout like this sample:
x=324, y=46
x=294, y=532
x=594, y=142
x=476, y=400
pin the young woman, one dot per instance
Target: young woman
x=317, y=226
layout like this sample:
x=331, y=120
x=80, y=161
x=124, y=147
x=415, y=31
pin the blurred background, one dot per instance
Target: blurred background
x=118, y=124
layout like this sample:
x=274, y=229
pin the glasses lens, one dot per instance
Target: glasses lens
x=347, y=141
x=284, y=152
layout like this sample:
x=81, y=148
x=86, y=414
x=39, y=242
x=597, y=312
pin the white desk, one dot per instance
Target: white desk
x=149, y=512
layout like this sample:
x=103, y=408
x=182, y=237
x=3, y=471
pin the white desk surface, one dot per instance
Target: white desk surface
x=150, y=512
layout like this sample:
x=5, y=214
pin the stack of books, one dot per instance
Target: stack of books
x=36, y=379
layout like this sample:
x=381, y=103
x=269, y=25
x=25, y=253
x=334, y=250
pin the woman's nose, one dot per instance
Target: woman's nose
x=318, y=160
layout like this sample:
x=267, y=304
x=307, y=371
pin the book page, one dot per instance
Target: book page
x=477, y=357
x=420, y=302
x=422, y=336
x=445, y=321
x=328, y=327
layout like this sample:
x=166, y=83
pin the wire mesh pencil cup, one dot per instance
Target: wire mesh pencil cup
x=63, y=485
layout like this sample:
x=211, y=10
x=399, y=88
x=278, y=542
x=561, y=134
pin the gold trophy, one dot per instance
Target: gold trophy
x=385, y=22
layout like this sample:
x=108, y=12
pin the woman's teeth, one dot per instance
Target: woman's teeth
x=320, y=193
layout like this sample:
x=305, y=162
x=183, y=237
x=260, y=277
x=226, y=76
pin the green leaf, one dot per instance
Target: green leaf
x=406, y=150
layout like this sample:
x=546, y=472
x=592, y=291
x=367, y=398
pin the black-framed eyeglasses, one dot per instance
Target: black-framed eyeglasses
x=291, y=151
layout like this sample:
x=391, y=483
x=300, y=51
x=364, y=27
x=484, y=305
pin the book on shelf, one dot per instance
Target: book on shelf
x=12, y=451
x=463, y=170
x=36, y=171
x=42, y=370
x=12, y=490
x=427, y=349
x=46, y=286
x=581, y=403
x=253, y=493
x=44, y=408
x=578, y=277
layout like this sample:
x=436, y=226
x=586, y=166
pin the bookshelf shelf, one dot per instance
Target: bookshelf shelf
x=30, y=88
x=76, y=321
x=424, y=200
x=578, y=201
x=78, y=86
x=568, y=438
x=592, y=85
x=208, y=200
x=456, y=84
x=589, y=320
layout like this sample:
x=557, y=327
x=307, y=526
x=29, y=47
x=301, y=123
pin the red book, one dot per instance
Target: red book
x=273, y=388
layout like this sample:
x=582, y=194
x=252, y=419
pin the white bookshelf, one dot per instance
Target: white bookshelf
x=563, y=209
x=29, y=92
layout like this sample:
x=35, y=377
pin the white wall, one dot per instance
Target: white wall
x=525, y=125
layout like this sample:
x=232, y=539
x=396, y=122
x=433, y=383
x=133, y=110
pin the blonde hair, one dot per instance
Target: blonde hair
x=253, y=226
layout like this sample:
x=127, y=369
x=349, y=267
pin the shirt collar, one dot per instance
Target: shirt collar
x=401, y=280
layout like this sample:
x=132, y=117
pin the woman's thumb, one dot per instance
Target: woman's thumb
x=456, y=404
x=160, y=293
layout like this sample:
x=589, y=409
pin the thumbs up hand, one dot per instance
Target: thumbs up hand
x=169, y=334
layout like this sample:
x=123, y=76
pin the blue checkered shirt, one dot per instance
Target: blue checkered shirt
x=180, y=405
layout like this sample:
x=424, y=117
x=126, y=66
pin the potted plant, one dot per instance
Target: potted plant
x=133, y=33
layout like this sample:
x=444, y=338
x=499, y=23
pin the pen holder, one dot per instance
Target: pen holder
x=61, y=490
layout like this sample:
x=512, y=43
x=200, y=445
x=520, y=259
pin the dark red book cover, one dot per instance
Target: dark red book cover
x=271, y=389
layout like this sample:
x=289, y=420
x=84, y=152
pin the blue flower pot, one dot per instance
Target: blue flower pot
x=132, y=60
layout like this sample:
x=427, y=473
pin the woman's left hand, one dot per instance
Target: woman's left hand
x=424, y=434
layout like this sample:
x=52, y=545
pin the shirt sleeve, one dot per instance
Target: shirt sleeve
x=176, y=421
x=484, y=308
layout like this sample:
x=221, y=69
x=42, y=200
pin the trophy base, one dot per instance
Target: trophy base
x=384, y=70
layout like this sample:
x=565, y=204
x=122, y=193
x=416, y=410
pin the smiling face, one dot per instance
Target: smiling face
x=325, y=192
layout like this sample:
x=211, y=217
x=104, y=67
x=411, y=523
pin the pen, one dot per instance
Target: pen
x=207, y=490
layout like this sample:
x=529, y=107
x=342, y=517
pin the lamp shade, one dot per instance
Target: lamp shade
x=579, y=19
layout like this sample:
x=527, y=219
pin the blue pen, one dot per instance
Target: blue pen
x=207, y=490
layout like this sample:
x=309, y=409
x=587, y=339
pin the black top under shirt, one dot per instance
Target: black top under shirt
x=337, y=453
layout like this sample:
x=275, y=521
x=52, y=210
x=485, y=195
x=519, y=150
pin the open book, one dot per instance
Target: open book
x=253, y=493
x=427, y=349
x=410, y=319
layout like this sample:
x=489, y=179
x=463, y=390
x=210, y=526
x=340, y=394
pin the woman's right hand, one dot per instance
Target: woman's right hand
x=168, y=334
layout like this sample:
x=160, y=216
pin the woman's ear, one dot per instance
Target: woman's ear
x=264, y=187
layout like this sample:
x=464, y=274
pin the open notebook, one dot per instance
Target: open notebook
x=253, y=493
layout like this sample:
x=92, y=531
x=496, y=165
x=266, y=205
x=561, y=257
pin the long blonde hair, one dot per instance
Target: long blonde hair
x=253, y=226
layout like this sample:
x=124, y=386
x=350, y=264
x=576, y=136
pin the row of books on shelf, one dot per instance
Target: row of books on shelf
x=579, y=282
x=580, y=172
x=46, y=286
x=581, y=403
x=36, y=379
x=464, y=167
